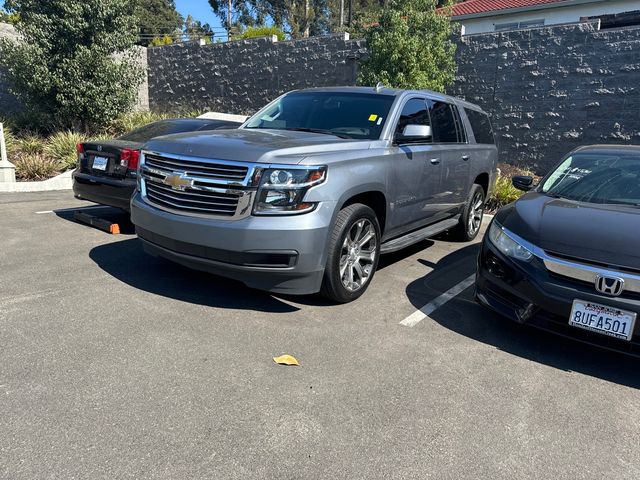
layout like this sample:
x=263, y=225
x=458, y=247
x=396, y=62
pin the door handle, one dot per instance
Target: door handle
x=465, y=157
x=435, y=161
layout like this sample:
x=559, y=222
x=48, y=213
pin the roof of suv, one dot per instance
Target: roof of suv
x=393, y=92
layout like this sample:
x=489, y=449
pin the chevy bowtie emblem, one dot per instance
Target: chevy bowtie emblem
x=178, y=181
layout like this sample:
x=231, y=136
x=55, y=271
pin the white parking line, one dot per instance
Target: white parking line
x=419, y=315
x=72, y=209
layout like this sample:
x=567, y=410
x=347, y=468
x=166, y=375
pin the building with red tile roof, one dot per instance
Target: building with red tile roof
x=481, y=16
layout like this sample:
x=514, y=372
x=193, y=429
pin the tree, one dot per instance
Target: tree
x=6, y=17
x=196, y=30
x=157, y=18
x=73, y=64
x=411, y=46
x=295, y=17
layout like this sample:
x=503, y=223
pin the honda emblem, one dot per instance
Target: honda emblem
x=609, y=285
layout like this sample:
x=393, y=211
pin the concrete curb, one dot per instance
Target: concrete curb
x=61, y=182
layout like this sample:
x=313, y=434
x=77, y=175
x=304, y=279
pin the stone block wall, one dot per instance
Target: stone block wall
x=552, y=89
x=242, y=76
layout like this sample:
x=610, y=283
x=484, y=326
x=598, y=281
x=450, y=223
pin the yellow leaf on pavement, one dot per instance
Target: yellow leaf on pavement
x=285, y=360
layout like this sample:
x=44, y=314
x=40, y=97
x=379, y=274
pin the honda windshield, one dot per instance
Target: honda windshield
x=596, y=178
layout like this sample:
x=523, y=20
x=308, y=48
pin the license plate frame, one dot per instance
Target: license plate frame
x=599, y=318
x=100, y=163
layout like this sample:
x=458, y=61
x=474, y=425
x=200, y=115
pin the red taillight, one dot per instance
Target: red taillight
x=129, y=158
x=80, y=148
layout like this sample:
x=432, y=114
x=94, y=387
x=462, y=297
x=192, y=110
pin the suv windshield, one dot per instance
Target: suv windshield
x=596, y=178
x=348, y=115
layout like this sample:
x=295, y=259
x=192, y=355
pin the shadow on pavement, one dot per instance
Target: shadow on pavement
x=465, y=317
x=113, y=215
x=127, y=262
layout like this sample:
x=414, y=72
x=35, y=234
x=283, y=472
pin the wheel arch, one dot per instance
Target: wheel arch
x=371, y=196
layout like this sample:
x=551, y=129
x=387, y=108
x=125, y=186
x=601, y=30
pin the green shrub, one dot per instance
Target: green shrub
x=36, y=167
x=61, y=147
x=74, y=63
x=9, y=139
x=30, y=144
x=161, y=41
x=253, y=32
x=410, y=46
x=503, y=193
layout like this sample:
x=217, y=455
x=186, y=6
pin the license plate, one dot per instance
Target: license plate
x=602, y=319
x=100, y=163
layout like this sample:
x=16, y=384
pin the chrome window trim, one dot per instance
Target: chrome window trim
x=575, y=270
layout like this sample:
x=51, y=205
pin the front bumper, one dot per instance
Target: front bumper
x=284, y=254
x=529, y=294
x=106, y=191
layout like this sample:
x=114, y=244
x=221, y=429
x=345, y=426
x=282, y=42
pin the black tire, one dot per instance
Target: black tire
x=339, y=255
x=466, y=230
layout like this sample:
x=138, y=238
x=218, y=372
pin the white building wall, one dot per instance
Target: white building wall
x=552, y=16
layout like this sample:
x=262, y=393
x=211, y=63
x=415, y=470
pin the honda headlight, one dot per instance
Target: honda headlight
x=506, y=243
x=282, y=190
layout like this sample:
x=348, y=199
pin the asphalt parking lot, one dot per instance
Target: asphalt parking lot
x=117, y=365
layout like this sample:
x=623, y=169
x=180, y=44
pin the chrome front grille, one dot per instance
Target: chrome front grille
x=196, y=186
x=587, y=274
x=190, y=200
x=198, y=168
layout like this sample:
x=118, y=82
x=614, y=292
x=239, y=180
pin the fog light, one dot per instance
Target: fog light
x=494, y=267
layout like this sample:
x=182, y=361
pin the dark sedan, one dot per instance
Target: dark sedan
x=566, y=256
x=106, y=171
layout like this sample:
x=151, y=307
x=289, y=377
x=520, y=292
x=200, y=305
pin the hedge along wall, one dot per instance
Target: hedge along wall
x=552, y=89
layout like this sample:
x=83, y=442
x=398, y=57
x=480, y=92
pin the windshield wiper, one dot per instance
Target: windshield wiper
x=319, y=130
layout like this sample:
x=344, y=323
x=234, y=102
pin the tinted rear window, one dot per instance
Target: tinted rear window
x=444, y=122
x=157, y=129
x=481, y=126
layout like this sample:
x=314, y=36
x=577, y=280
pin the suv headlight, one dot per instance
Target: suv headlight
x=282, y=190
x=501, y=239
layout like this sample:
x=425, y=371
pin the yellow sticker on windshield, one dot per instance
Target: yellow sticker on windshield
x=373, y=117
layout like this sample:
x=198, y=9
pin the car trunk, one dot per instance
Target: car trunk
x=102, y=158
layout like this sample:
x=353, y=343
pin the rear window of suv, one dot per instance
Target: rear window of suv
x=481, y=126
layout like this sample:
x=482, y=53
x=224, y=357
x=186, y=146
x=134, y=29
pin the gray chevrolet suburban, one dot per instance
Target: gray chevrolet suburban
x=308, y=193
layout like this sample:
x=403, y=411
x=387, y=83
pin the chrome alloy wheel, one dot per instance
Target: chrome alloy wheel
x=476, y=213
x=358, y=255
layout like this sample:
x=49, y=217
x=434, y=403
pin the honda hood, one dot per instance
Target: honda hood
x=605, y=234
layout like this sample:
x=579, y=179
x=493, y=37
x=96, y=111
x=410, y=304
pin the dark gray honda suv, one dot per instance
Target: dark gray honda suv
x=566, y=256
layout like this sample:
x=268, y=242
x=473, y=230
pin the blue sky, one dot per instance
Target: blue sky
x=200, y=10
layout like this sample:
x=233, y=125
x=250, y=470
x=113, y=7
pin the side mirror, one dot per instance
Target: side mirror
x=414, y=134
x=522, y=182
x=419, y=132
